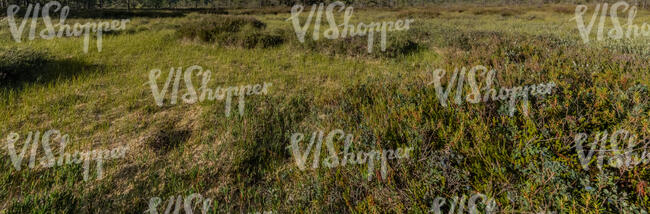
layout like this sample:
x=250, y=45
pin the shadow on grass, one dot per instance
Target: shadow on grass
x=167, y=138
x=44, y=72
x=145, y=13
x=133, y=13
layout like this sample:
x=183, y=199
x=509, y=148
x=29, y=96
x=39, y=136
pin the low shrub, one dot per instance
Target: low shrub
x=251, y=38
x=262, y=11
x=564, y=9
x=208, y=28
x=505, y=12
x=397, y=44
x=400, y=46
x=418, y=13
x=241, y=31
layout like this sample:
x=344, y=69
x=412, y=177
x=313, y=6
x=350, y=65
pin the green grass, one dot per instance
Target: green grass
x=243, y=163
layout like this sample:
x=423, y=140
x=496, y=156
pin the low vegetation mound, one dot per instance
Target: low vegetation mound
x=505, y=12
x=397, y=44
x=419, y=13
x=249, y=32
x=241, y=31
x=564, y=9
x=262, y=11
x=77, y=13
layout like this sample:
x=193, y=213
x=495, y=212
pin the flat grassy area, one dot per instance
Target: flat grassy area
x=244, y=162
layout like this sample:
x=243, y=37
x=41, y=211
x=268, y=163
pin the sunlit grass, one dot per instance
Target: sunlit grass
x=243, y=164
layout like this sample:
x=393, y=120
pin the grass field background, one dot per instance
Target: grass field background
x=527, y=163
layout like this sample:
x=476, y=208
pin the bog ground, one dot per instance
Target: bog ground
x=243, y=162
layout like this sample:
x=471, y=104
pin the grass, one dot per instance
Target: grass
x=101, y=100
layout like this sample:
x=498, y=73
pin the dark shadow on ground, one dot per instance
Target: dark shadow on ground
x=125, y=14
x=45, y=72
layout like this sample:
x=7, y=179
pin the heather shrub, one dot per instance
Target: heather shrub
x=418, y=13
x=505, y=12
x=263, y=11
x=397, y=44
x=251, y=38
x=208, y=28
x=564, y=9
x=240, y=31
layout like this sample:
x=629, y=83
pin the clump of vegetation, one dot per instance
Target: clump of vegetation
x=397, y=44
x=564, y=9
x=249, y=32
x=418, y=13
x=505, y=12
x=262, y=11
x=258, y=151
x=18, y=64
x=240, y=31
x=251, y=38
x=210, y=28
